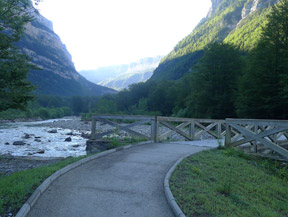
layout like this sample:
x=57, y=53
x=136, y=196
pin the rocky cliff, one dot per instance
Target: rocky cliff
x=56, y=74
x=237, y=22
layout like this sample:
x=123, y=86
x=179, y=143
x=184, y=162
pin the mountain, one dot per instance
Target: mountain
x=119, y=77
x=57, y=74
x=237, y=22
x=104, y=73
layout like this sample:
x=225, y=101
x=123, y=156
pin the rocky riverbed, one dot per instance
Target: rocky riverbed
x=30, y=144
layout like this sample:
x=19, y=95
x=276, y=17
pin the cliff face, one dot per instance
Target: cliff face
x=215, y=4
x=57, y=74
x=236, y=22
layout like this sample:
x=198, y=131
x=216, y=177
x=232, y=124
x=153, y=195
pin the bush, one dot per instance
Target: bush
x=43, y=113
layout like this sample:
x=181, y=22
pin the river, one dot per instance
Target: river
x=39, y=141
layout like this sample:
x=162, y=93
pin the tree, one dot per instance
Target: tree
x=161, y=97
x=264, y=85
x=214, y=82
x=15, y=90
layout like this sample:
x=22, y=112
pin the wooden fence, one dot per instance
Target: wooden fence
x=190, y=129
x=263, y=137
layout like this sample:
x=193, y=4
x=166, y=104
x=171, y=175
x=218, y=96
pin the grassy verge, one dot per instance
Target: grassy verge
x=17, y=188
x=230, y=183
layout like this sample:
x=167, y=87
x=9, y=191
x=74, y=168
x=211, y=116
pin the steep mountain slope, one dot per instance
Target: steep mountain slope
x=237, y=22
x=57, y=75
x=121, y=76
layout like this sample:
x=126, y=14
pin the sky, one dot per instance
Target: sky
x=110, y=32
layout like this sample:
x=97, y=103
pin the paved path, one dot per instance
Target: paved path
x=126, y=183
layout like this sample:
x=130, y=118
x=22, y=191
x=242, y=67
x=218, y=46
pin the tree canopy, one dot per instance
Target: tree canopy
x=264, y=85
x=15, y=90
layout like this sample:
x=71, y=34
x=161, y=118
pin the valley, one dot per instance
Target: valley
x=119, y=77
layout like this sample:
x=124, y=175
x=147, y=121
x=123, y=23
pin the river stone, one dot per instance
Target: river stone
x=41, y=151
x=26, y=136
x=18, y=143
x=93, y=146
x=7, y=143
x=52, y=131
x=68, y=139
x=85, y=135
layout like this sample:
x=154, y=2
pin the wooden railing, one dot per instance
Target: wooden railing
x=160, y=127
x=110, y=120
x=190, y=129
x=263, y=137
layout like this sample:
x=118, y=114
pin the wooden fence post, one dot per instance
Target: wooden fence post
x=254, y=143
x=219, y=130
x=155, y=129
x=93, y=129
x=192, y=130
x=152, y=130
x=228, y=135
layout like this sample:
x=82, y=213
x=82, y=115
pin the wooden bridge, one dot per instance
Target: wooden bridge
x=262, y=137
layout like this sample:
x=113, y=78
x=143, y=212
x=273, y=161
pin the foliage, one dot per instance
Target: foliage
x=47, y=107
x=115, y=142
x=15, y=90
x=264, y=85
x=248, y=32
x=214, y=83
x=187, y=52
x=229, y=183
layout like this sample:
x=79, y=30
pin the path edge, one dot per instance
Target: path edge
x=25, y=209
x=169, y=196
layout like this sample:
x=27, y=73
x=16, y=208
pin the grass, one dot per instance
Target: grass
x=226, y=182
x=115, y=143
x=17, y=188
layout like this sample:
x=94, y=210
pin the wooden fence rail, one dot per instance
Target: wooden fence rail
x=264, y=137
x=190, y=129
x=110, y=120
x=196, y=127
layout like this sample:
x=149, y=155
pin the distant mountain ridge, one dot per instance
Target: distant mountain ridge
x=237, y=22
x=58, y=75
x=119, y=77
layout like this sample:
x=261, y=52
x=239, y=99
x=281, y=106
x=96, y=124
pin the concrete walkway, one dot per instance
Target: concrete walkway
x=125, y=183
